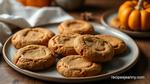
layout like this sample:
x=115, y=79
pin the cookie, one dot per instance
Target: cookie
x=76, y=26
x=30, y=36
x=116, y=24
x=118, y=44
x=77, y=66
x=63, y=44
x=93, y=48
x=34, y=57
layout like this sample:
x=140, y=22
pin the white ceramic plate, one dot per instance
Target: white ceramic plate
x=109, y=15
x=116, y=66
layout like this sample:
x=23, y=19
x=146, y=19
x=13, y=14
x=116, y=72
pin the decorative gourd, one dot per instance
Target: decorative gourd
x=36, y=3
x=135, y=15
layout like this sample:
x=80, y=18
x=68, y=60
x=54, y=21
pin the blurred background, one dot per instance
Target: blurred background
x=105, y=3
x=76, y=7
x=73, y=4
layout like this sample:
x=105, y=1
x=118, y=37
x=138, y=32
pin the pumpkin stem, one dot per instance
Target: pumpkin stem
x=139, y=5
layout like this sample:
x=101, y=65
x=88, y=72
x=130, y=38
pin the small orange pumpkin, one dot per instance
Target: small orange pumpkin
x=36, y=3
x=135, y=15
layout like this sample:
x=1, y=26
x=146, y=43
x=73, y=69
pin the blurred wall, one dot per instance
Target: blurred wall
x=105, y=3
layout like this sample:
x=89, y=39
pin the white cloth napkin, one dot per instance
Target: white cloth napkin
x=12, y=12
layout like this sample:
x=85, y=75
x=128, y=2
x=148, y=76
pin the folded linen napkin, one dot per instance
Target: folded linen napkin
x=12, y=12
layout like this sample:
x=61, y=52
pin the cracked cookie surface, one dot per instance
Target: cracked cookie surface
x=63, y=44
x=118, y=44
x=93, y=48
x=77, y=66
x=34, y=57
x=28, y=36
x=76, y=26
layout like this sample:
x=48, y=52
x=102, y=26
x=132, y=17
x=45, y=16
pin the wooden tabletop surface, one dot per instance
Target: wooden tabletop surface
x=97, y=7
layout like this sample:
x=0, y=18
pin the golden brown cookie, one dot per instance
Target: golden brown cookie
x=93, y=48
x=63, y=44
x=118, y=44
x=77, y=66
x=115, y=23
x=34, y=57
x=30, y=36
x=76, y=26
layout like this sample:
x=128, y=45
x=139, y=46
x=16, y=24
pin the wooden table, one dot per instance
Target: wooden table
x=142, y=68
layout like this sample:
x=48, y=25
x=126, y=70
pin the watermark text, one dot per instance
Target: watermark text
x=127, y=77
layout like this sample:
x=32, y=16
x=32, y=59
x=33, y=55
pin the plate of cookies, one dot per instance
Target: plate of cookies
x=110, y=20
x=72, y=51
